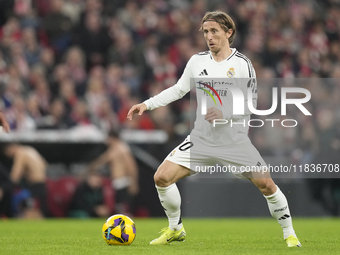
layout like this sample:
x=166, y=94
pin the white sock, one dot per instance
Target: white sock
x=278, y=207
x=171, y=203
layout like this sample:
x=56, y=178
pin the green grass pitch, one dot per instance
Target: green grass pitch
x=204, y=236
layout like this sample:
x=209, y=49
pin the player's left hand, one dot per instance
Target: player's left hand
x=213, y=113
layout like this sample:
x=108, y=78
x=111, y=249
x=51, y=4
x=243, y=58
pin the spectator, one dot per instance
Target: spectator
x=18, y=116
x=94, y=40
x=88, y=199
x=57, y=118
x=127, y=54
x=32, y=106
x=29, y=166
x=6, y=8
x=80, y=114
x=75, y=65
x=47, y=61
x=91, y=6
x=43, y=92
x=3, y=123
x=19, y=60
x=68, y=93
x=32, y=49
x=123, y=172
x=10, y=32
x=107, y=118
x=72, y=9
x=95, y=94
x=60, y=74
x=58, y=27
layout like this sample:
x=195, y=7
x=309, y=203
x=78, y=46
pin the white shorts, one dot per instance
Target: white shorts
x=239, y=159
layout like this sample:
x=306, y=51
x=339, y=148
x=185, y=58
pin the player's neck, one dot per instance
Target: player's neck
x=222, y=54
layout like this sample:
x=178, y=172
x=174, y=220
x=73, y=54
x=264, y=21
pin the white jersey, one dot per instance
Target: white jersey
x=202, y=68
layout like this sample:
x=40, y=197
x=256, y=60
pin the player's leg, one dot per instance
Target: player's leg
x=169, y=173
x=276, y=200
x=165, y=178
x=177, y=165
x=278, y=206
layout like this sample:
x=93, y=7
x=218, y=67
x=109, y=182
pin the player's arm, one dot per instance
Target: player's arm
x=164, y=98
x=167, y=96
x=4, y=123
x=18, y=168
x=100, y=161
x=213, y=114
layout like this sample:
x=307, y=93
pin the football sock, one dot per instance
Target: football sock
x=278, y=207
x=171, y=203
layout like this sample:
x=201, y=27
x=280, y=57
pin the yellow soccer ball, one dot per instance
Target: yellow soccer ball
x=119, y=229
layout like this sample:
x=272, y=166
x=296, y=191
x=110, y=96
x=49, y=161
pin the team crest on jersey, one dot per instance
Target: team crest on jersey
x=172, y=153
x=231, y=72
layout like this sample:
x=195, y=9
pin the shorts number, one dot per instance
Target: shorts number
x=186, y=146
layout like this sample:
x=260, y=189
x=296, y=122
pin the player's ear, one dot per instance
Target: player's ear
x=229, y=33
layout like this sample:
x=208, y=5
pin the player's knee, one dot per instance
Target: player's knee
x=161, y=179
x=267, y=187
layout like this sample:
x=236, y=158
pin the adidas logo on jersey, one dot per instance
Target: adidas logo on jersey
x=204, y=72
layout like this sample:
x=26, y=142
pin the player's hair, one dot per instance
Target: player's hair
x=224, y=20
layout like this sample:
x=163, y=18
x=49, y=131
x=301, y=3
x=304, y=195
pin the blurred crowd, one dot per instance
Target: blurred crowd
x=65, y=63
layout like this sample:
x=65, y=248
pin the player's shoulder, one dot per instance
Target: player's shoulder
x=200, y=56
x=202, y=53
x=245, y=62
x=242, y=58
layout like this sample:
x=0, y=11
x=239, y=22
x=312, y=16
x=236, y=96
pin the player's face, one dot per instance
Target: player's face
x=215, y=36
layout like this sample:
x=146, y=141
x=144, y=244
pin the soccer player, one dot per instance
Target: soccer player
x=223, y=144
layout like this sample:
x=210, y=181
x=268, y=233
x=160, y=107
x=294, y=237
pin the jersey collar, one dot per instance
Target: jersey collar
x=233, y=52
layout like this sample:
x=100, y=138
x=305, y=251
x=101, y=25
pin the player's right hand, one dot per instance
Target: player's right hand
x=137, y=108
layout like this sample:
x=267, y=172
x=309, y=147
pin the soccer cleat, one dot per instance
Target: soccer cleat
x=168, y=235
x=292, y=241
